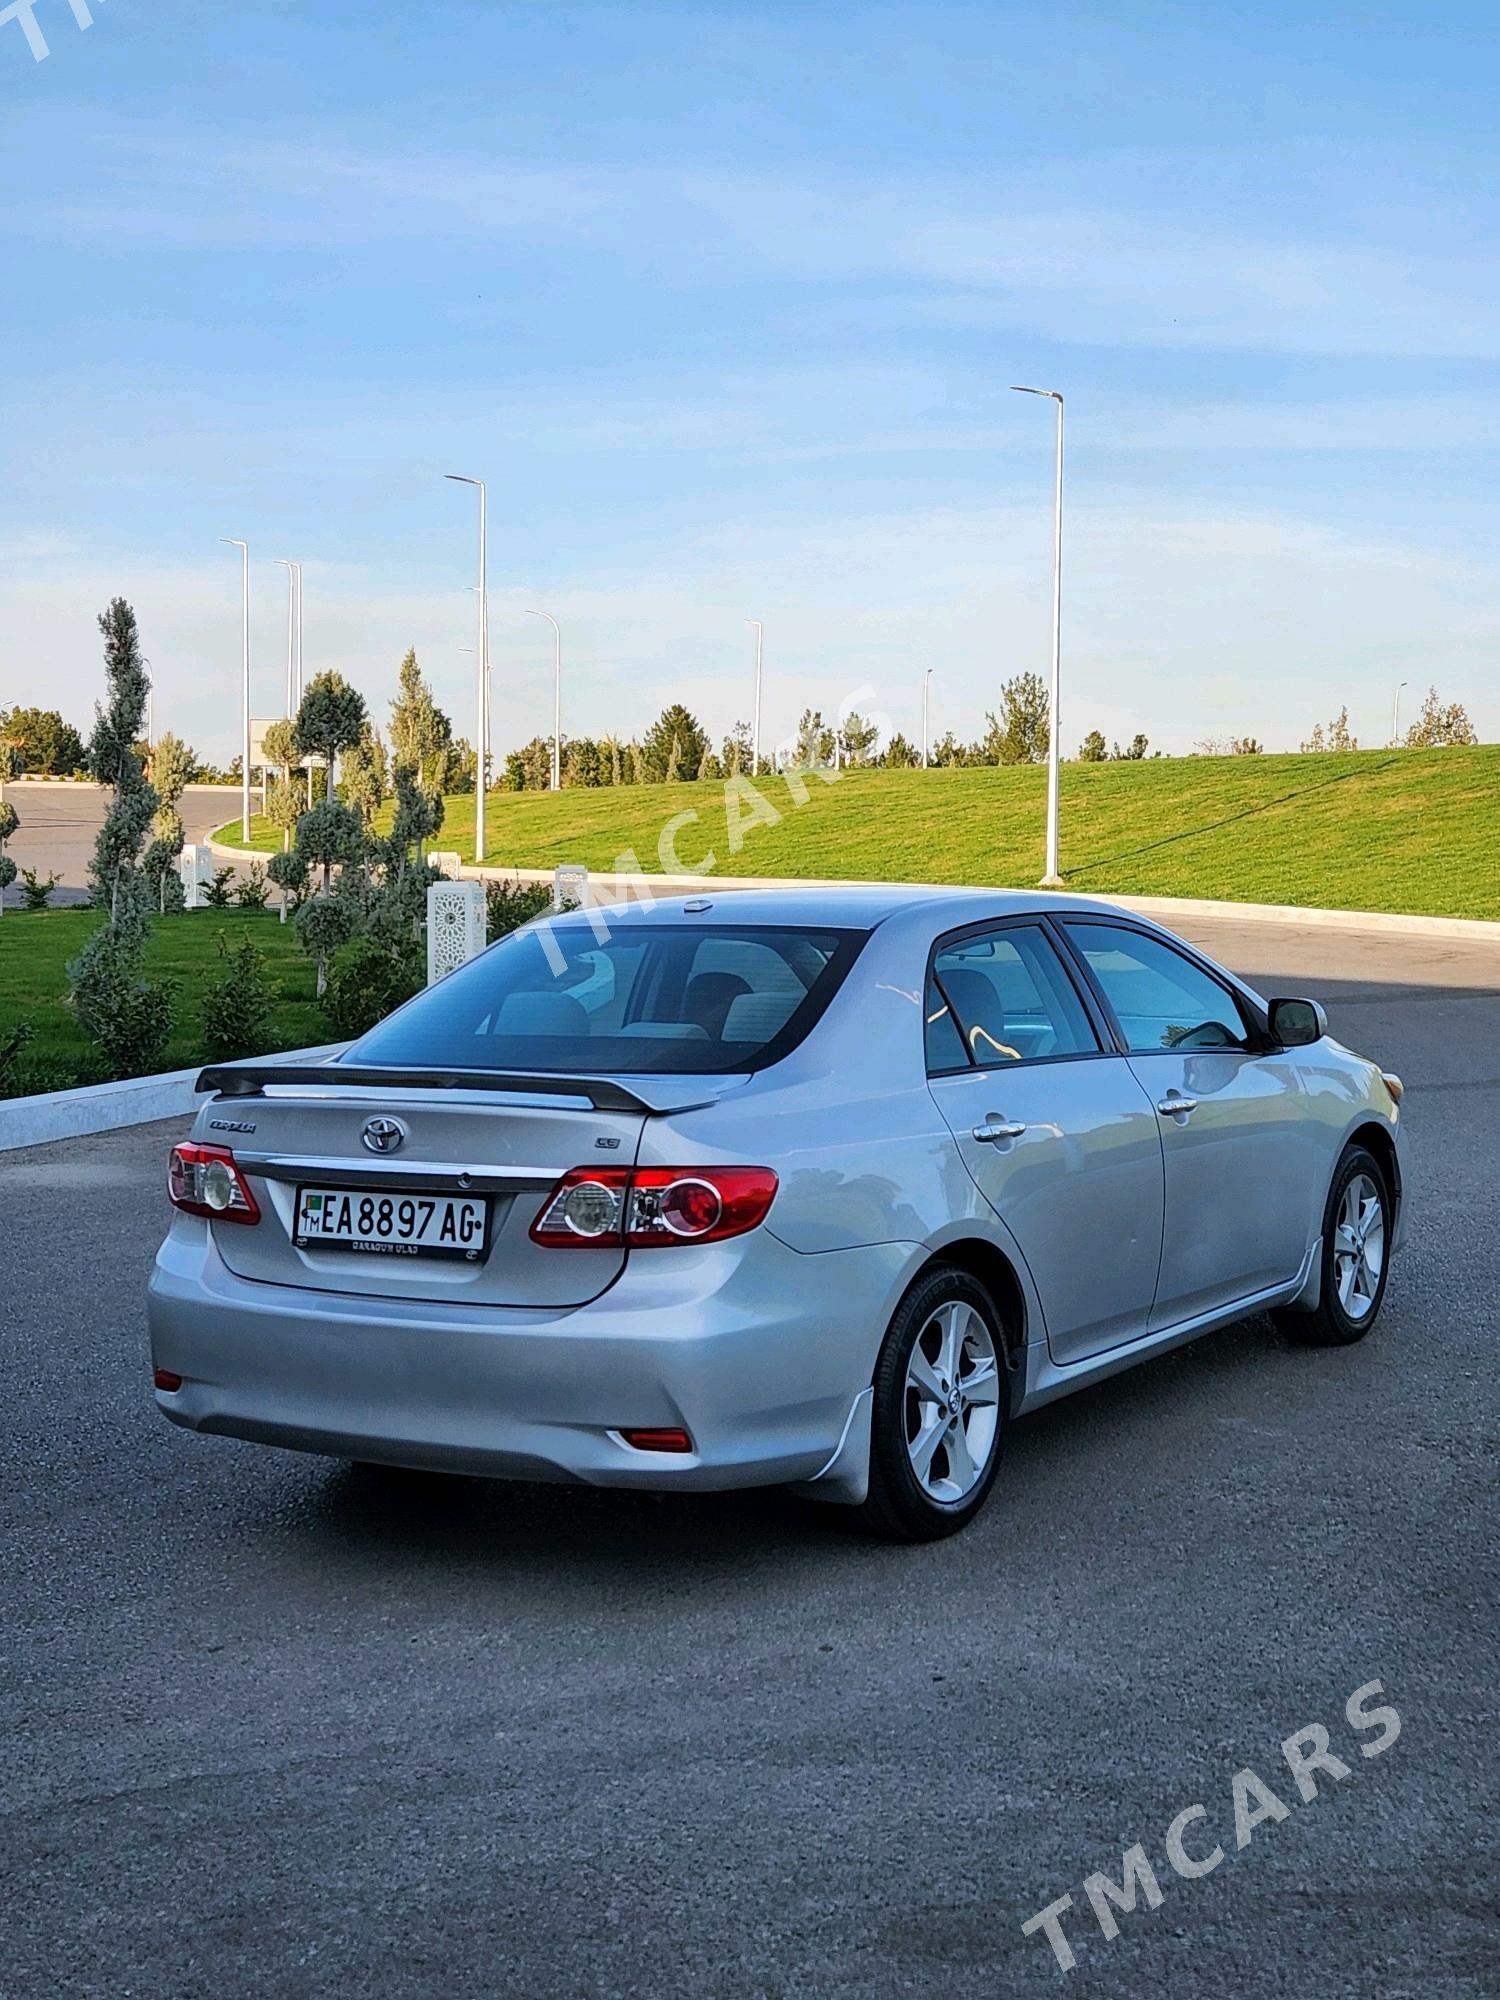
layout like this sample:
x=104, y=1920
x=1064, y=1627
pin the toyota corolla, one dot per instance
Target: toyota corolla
x=821, y=1188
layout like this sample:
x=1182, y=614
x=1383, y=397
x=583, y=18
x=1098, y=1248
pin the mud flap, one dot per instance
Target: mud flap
x=845, y=1479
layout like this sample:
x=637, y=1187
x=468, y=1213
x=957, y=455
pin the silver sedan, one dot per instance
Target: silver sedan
x=817, y=1188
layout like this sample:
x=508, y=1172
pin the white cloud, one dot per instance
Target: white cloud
x=1183, y=625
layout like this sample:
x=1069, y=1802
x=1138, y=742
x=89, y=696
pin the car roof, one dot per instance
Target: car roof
x=846, y=906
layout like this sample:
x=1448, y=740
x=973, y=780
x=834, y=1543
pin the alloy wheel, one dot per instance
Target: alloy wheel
x=952, y=1402
x=1359, y=1247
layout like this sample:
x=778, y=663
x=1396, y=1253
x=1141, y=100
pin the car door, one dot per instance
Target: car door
x=1052, y=1125
x=1232, y=1112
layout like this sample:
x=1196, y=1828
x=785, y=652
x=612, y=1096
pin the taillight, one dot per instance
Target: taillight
x=206, y=1180
x=615, y=1207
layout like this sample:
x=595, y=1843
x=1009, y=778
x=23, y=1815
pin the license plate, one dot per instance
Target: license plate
x=391, y=1225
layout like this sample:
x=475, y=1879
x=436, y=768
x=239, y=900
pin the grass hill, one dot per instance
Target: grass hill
x=1402, y=830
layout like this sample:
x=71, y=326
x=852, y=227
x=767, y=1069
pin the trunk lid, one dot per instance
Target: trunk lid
x=508, y=1149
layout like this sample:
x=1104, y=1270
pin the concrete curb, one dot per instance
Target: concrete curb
x=1468, y=930
x=107, y=1107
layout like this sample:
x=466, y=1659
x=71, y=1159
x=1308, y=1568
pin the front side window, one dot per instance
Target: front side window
x=646, y=999
x=1160, y=999
x=1010, y=1000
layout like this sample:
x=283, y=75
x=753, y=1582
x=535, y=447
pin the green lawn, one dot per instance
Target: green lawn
x=35, y=947
x=1410, y=830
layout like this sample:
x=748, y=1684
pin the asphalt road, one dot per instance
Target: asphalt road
x=274, y=1727
x=59, y=824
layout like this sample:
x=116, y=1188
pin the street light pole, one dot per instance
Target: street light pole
x=291, y=631
x=244, y=549
x=556, y=696
x=1053, y=879
x=1396, y=716
x=481, y=726
x=297, y=676
x=926, y=684
x=755, y=725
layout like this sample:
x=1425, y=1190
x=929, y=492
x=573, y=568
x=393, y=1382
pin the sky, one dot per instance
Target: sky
x=724, y=303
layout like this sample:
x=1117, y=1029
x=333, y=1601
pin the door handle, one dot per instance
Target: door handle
x=1175, y=1106
x=995, y=1128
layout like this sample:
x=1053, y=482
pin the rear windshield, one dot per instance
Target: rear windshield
x=671, y=999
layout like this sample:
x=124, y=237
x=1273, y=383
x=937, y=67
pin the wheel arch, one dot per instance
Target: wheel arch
x=1377, y=1140
x=989, y=1265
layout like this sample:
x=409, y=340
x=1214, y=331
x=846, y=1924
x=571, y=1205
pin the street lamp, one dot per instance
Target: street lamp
x=1052, y=879
x=1396, y=716
x=926, y=685
x=297, y=670
x=291, y=633
x=755, y=725
x=556, y=696
x=481, y=727
x=244, y=549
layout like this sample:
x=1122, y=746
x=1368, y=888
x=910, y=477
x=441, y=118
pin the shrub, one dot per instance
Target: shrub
x=129, y=1017
x=218, y=895
x=160, y=869
x=253, y=892
x=324, y=925
x=34, y=1079
x=370, y=979
x=508, y=905
x=11, y=1046
x=35, y=893
x=331, y=835
x=9, y=820
x=289, y=872
x=236, y=1007
x=114, y=874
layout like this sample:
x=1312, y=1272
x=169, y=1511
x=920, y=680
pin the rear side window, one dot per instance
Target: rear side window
x=669, y=999
x=1160, y=999
x=1010, y=999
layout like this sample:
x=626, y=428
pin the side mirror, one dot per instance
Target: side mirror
x=1297, y=1023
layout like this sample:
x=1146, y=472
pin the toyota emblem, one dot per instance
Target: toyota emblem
x=384, y=1135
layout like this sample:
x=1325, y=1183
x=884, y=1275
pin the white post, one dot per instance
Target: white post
x=1396, y=717
x=926, y=684
x=244, y=550
x=455, y=926
x=195, y=866
x=570, y=884
x=755, y=726
x=1053, y=879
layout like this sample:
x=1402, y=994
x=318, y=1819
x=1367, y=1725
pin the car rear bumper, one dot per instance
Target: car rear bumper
x=755, y=1350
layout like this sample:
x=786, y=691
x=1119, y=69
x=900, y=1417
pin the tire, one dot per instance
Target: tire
x=947, y=1315
x=1354, y=1279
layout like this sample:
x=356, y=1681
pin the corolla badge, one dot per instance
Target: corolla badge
x=384, y=1135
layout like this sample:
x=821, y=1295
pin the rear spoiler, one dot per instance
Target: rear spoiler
x=250, y=1080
